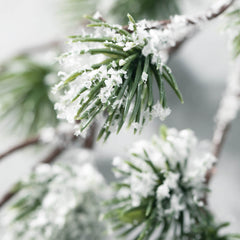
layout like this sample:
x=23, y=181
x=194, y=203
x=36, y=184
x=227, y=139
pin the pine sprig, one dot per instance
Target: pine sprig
x=160, y=189
x=121, y=84
x=25, y=102
x=59, y=202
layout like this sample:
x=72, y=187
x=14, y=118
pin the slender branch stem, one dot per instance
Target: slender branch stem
x=8, y=196
x=211, y=14
x=90, y=139
x=24, y=144
x=227, y=112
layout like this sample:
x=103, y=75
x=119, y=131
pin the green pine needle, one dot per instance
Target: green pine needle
x=25, y=102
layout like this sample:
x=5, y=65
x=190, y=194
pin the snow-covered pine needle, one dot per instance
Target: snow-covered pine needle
x=113, y=71
x=161, y=186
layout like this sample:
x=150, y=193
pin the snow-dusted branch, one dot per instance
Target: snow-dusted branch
x=218, y=8
x=213, y=12
x=227, y=112
x=228, y=108
x=57, y=136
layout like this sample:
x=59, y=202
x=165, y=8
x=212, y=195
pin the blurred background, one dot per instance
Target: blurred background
x=200, y=66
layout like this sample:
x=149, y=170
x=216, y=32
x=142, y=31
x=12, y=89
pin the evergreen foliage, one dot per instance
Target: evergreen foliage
x=161, y=190
x=59, y=202
x=25, y=101
x=119, y=83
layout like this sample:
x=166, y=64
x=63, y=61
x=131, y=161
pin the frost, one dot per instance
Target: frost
x=94, y=73
x=144, y=77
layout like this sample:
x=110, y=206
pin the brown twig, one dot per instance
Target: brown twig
x=8, y=196
x=90, y=139
x=211, y=14
x=24, y=144
x=214, y=14
x=43, y=47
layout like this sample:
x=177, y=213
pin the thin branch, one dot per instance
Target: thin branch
x=213, y=12
x=90, y=139
x=8, y=196
x=227, y=112
x=24, y=144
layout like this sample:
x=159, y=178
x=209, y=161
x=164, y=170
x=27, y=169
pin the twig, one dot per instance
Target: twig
x=8, y=196
x=227, y=112
x=212, y=13
x=221, y=9
x=90, y=139
x=24, y=144
x=49, y=159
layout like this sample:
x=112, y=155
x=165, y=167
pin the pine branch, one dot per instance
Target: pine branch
x=209, y=15
x=19, y=146
x=213, y=12
x=50, y=158
x=90, y=139
x=8, y=196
